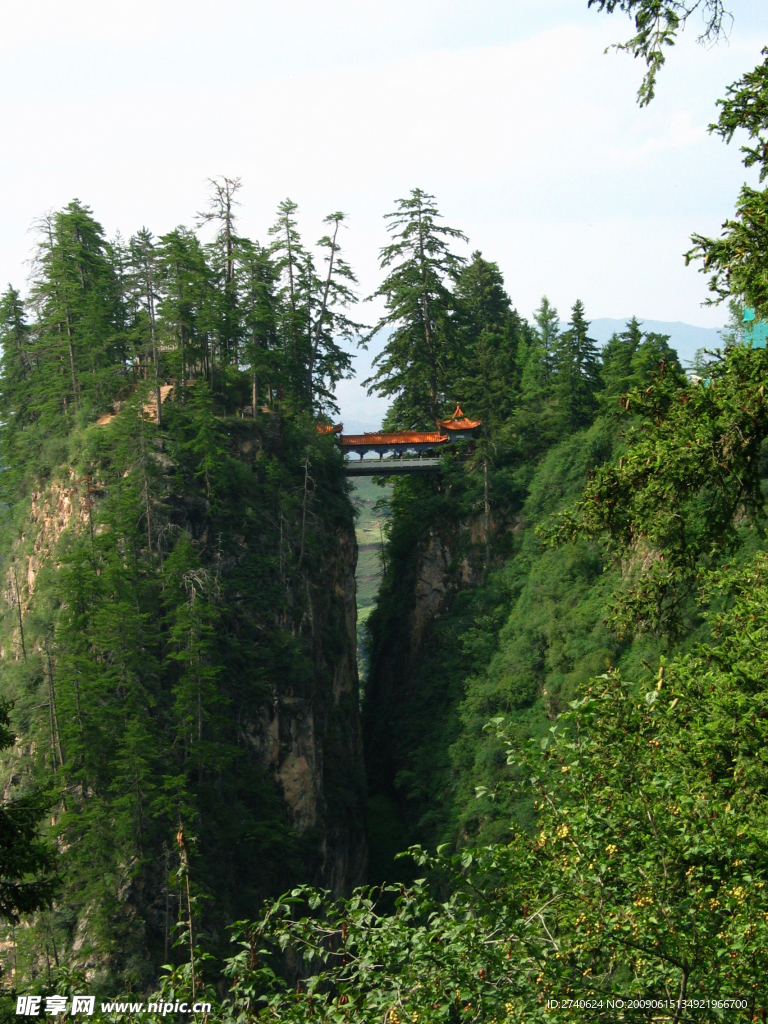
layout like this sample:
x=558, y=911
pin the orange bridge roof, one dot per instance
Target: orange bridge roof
x=400, y=437
x=330, y=428
x=459, y=421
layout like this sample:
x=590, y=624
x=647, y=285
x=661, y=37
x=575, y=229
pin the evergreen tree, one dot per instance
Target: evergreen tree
x=227, y=320
x=18, y=415
x=488, y=331
x=144, y=274
x=576, y=372
x=184, y=306
x=616, y=364
x=485, y=376
x=537, y=357
x=652, y=356
x=328, y=362
x=27, y=881
x=77, y=298
x=312, y=312
x=258, y=278
x=629, y=360
x=290, y=264
x=547, y=321
x=415, y=365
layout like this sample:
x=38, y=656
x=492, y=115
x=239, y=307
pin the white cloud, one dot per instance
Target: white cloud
x=512, y=115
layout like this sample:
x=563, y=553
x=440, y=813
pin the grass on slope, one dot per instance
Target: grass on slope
x=370, y=545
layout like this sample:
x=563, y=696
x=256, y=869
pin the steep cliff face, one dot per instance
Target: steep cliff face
x=311, y=744
x=415, y=679
x=189, y=659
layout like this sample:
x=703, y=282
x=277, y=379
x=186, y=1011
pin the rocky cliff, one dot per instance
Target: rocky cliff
x=310, y=742
x=415, y=676
x=189, y=660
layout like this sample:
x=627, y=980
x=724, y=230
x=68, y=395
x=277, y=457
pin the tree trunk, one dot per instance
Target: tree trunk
x=158, y=399
x=18, y=606
x=304, y=508
x=72, y=362
x=321, y=314
x=487, y=515
x=53, y=715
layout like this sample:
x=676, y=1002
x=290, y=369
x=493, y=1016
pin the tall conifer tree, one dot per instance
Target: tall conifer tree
x=221, y=211
x=486, y=379
x=184, y=304
x=415, y=366
x=576, y=371
x=259, y=304
x=77, y=297
x=290, y=262
x=333, y=288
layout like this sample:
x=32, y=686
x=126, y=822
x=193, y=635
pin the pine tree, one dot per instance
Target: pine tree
x=77, y=297
x=290, y=262
x=485, y=379
x=629, y=360
x=27, y=881
x=18, y=416
x=538, y=356
x=547, y=321
x=144, y=274
x=484, y=375
x=221, y=210
x=415, y=365
x=576, y=372
x=184, y=306
x=652, y=352
x=259, y=304
x=328, y=362
x=535, y=421
x=616, y=364
x=312, y=312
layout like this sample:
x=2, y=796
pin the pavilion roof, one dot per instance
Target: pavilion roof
x=398, y=437
x=459, y=421
x=330, y=428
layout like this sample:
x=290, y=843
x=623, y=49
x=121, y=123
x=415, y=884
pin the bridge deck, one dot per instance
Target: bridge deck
x=390, y=467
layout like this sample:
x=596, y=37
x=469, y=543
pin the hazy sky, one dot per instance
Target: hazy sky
x=507, y=110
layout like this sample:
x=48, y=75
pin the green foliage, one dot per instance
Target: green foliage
x=415, y=365
x=27, y=881
x=736, y=259
x=312, y=317
x=485, y=373
x=575, y=367
x=171, y=584
x=645, y=875
x=657, y=23
x=669, y=507
x=746, y=106
x=628, y=360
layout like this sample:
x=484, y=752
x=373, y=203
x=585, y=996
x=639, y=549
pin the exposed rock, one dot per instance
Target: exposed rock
x=312, y=744
x=431, y=585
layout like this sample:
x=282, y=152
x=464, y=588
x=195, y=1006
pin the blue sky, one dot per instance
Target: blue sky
x=507, y=110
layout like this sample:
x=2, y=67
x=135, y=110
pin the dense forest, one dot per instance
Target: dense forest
x=563, y=717
x=175, y=538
